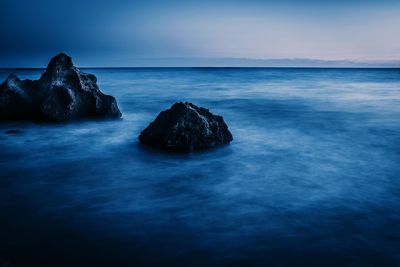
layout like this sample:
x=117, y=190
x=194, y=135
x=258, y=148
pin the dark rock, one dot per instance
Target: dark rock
x=15, y=101
x=14, y=131
x=4, y=263
x=62, y=93
x=186, y=127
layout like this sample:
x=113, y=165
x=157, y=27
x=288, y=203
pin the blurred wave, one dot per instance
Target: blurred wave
x=311, y=178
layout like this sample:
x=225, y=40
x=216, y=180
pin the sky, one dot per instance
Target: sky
x=133, y=33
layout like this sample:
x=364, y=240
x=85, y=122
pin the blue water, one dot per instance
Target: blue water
x=312, y=177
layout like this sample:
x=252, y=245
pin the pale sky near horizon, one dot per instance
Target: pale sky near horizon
x=118, y=32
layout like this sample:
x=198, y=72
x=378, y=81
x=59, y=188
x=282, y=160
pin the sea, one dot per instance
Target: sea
x=311, y=178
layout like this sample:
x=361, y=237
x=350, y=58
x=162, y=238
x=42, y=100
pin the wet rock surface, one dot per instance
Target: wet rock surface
x=62, y=93
x=186, y=127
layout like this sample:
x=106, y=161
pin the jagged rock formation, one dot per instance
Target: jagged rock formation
x=186, y=127
x=62, y=93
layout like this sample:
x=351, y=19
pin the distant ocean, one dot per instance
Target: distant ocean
x=312, y=177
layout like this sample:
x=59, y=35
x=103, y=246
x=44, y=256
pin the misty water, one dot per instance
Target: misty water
x=312, y=176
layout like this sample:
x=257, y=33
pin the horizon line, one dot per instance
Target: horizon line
x=224, y=62
x=211, y=67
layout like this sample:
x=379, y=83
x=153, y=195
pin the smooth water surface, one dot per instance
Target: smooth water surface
x=312, y=177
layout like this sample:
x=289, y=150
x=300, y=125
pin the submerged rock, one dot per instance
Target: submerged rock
x=14, y=131
x=186, y=127
x=62, y=93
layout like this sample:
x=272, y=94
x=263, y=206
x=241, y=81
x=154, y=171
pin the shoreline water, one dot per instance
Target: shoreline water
x=310, y=178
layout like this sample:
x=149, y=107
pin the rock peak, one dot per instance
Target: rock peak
x=181, y=105
x=61, y=61
x=13, y=77
x=58, y=68
x=62, y=56
x=184, y=106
